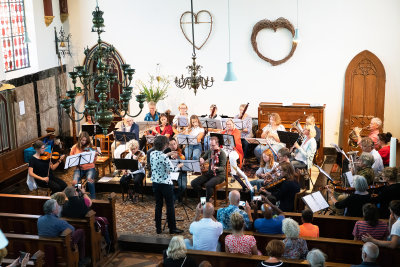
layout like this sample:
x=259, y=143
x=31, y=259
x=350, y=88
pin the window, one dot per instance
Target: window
x=4, y=130
x=15, y=50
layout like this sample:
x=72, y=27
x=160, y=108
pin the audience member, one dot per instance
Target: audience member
x=60, y=197
x=50, y=225
x=307, y=229
x=205, y=264
x=369, y=254
x=3, y=253
x=224, y=214
x=175, y=255
x=295, y=247
x=394, y=227
x=275, y=249
x=316, y=258
x=270, y=224
x=371, y=224
x=75, y=207
x=237, y=242
x=389, y=192
x=205, y=231
x=355, y=201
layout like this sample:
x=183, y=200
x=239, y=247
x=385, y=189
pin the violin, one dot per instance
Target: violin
x=349, y=190
x=47, y=156
x=275, y=183
x=180, y=155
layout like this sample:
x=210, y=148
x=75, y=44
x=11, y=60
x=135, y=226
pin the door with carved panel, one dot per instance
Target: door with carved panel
x=364, y=96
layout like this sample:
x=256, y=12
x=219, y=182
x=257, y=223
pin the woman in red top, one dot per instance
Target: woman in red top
x=164, y=128
x=383, y=143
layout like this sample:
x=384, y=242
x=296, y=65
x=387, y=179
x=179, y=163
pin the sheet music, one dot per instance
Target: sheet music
x=309, y=200
x=174, y=176
x=188, y=165
x=316, y=201
x=211, y=123
x=350, y=178
x=185, y=139
x=238, y=123
x=85, y=157
x=319, y=198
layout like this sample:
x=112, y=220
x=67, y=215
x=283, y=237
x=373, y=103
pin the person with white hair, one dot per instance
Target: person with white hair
x=295, y=247
x=224, y=214
x=354, y=202
x=304, y=153
x=367, y=145
x=126, y=125
x=175, y=255
x=369, y=254
x=373, y=127
x=316, y=258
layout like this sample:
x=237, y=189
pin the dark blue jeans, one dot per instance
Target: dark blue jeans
x=161, y=192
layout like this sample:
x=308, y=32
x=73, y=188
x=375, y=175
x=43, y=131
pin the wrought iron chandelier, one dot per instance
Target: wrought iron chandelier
x=195, y=80
x=101, y=82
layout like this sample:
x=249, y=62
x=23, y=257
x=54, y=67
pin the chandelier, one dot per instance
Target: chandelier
x=195, y=80
x=101, y=82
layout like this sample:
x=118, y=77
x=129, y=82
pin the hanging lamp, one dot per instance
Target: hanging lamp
x=230, y=75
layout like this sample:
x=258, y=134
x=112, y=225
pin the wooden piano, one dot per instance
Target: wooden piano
x=290, y=114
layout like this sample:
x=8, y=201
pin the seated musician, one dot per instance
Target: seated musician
x=247, y=131
x=367, y=145
x=373, y=127
x=364, y=165
x=41, y=169
x=288, y=189
x=138, y=175
x=195, y=130
x=284, y=155
x=183, y=113
x=394, y=228
x=354, y=202
x=270, y=133
x=215, y=116
x=371, y=224
x=295, y=247
x=310, y=120
x=88, y=169
x=216, y=169
x=236, y=153
x=126, y=125
x=389, y=192
x=304, y=154
x=153, y=114
x=237, y=242
x=164, y=128
x=267, y=167
x=384, y=147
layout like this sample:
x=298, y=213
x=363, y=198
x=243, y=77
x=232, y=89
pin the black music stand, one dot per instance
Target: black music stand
x=288, y=138
x=127, y=164
x=80, y=159
x=150, y=139
x=211, y=123
x=92, y=129
x=328, y=179
x=184, y=139
x=226, y=140
x=123, y=137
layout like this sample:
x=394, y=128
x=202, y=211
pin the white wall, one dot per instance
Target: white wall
x=332, y=33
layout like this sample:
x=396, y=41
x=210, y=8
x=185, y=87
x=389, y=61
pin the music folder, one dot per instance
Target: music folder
x=288, y=138
x=315, y=201
x=92, y=129
x=126, y=164
x=226, y=140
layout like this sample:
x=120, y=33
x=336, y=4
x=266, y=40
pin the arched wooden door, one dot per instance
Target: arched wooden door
x=364, y=96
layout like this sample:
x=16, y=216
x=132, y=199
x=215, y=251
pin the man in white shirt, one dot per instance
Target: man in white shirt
x=367, y=145
x=206, y=231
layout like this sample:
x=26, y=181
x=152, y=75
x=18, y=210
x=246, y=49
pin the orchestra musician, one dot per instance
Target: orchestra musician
x=194, y=130
x=384, y=147
x=389, y=192
x=216, y=169
x=126, y=125
x=247, y=131
x=310, y=120
x=215, y=116
x=270, y=133
x=41, y=169
x=164, y=128
x=88, y=170
x=304, y=153
x=367, y=145
x=373, y=127
x=364, y=165
x=183, y=113
x=267, y=166
x=138, y=175
x=153, y=114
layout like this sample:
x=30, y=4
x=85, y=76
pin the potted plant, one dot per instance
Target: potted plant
x=155, y=89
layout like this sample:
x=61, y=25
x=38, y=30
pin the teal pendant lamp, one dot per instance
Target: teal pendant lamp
x=230, y=76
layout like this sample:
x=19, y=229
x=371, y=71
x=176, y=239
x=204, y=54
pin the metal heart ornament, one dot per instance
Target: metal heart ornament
x=272, y=25
x=196, y=22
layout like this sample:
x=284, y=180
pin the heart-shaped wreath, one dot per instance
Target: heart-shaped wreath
x=196, y=21
x=273, y=25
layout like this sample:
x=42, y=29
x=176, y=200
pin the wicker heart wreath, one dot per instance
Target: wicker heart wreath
x=273, y=25
x=196, y=21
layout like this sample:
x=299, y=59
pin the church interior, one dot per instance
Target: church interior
x=199, y=133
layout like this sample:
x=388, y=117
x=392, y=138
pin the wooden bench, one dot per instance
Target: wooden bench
x=58, y=250
x=222, y=259
x=27, y=204
x=38, y=262
x=27, y=224
x=338, y=250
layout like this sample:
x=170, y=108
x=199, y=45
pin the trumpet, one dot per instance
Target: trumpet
x=353, y=139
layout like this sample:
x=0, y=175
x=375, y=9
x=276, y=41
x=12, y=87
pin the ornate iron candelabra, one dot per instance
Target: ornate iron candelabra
x=195, y=80
x=101, y=83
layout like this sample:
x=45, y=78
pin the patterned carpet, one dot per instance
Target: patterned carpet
x=135, y=259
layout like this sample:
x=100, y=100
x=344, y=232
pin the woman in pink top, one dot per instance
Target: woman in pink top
x=237, y=242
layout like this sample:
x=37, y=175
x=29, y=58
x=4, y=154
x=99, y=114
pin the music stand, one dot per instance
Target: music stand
x=239, y=124
x=182, y=121
x=288, y=138
x=92, y=129
x=127, y=164
x=150, y=139
x=328, y=178
x=80, y=159
x=123, y=137
x=316, y=202
x=226, y=140
x=185, y=139
x=211, y=123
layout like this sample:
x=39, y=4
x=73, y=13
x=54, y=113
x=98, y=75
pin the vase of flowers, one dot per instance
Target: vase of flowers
x=156, y=88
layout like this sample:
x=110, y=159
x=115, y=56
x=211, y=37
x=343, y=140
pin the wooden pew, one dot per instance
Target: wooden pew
x=222, y=259
x=338, y=250
x=38, y=262
x=27, y=224
x=58, y=251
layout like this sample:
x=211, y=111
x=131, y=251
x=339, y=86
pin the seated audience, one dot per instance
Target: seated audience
x=216, y=169
x=389, y=192
x=369, y=254
x=267, y=166
x=60, y=197
x=394, y=228
x=384, y=150
x=307, y=229
x=316, y=258
x=295, y=247
x=175, y=255
x=76, y=206
x=275, y=249
x=354, y=202
x=367, y=145
x=270, y=224
x=224, y=214
x=205, y=231
x=50, y=225
x=237, y=242
x=205, y=264
x=371, y=224
x=364, y=167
